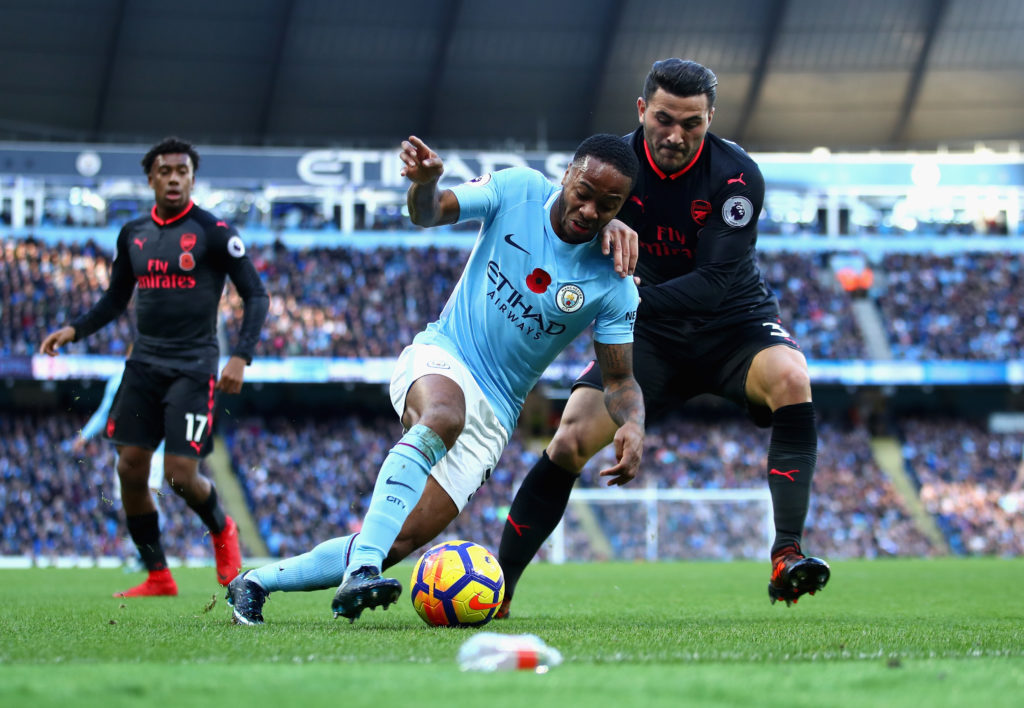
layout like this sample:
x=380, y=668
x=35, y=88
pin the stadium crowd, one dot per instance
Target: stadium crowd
x=966, y=306
x=43, y=288
x=313, y=478
x=59, y=504
x=307, y=479
x=341, y=302
x=818, y=313
x=855, y=511
x=969, y=481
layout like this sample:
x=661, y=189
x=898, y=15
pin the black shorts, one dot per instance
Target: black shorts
x=669, y=378
x=155, y=403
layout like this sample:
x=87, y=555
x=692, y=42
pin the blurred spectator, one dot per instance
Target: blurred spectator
x=42, y=288
x=968, y=480
x=966, y=306
x=817, y=311
x=58, y=503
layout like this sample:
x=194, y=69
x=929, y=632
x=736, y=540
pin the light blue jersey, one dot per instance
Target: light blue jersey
x=525, y=294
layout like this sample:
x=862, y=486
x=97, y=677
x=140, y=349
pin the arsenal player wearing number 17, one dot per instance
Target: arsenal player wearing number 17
x=174, y=260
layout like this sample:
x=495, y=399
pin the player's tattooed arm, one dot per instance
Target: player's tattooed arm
x=625, y=403
x=622, y=395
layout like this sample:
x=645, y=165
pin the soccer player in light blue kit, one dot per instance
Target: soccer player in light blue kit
x=536, y=278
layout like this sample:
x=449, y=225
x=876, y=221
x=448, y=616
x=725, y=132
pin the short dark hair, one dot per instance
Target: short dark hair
x=170, y=146
x=611, y=149
x=681, y=78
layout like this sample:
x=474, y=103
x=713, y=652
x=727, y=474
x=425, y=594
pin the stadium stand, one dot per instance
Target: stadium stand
x=59, y=504
x=342, y=302
x=967, y=479
x=306, y=480
x=965, y=306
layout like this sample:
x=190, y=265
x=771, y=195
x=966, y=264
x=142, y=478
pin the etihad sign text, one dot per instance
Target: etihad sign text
x=336, y=168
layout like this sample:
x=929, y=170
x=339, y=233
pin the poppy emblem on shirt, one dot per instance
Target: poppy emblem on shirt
x=188, y=242
x=110, y=427
x=186, y=261
x=569, y=298
x=538, y=281
x=699, y=210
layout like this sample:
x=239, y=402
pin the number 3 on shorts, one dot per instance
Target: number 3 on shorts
x=195, y=425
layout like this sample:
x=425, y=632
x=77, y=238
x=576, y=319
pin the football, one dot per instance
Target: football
x=457, y=584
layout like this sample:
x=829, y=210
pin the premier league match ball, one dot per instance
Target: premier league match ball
x=457, y=584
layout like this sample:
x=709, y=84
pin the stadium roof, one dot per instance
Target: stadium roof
x=794, y=74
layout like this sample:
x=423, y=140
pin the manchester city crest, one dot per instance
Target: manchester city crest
x=569, y=298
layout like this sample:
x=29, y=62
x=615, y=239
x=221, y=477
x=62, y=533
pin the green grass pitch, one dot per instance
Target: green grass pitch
x=946, y=632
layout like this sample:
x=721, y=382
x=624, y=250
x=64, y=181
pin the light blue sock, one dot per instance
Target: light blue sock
x=399, y=486
x=319, y=569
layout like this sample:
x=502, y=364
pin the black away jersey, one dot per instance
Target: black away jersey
x=697, y=233
x=177, y=268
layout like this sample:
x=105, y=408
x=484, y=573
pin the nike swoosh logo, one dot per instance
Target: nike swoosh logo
x=513, y=244
x=475, y=604
x=391, y=480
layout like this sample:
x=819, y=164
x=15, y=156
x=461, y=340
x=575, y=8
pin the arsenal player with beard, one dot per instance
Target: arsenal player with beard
x=707, y=323
x=175, y=260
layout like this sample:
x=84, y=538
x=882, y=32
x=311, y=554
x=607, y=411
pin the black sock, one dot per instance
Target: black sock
x=792, y=456
x=534, y=514
x=145, y=532
x=210, y=512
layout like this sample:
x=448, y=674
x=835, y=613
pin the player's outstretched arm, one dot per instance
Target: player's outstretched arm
x=55, y=340
x=423, y=167
x=625, y=403
x=622, y=242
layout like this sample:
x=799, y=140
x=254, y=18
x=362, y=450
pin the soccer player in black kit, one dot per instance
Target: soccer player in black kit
x=175, y=259
x=707, y=323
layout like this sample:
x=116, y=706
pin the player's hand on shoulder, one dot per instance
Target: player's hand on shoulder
x=56, y=340
x=422, y=165
x=623, y=243
x=231, y=377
